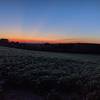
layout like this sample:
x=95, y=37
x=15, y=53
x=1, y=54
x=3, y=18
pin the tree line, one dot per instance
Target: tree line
x=86, y=48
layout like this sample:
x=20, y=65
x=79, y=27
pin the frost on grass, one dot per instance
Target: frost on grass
x=51, y=71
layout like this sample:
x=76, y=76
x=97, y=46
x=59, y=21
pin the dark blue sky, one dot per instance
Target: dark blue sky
x=58, y=19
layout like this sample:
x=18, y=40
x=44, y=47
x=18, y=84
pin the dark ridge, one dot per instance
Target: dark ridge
x=84, y=48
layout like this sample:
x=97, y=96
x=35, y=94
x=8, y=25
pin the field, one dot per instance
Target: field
x=73, y=76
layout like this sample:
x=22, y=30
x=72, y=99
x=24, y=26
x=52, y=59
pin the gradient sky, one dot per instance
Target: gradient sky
x=50, y=20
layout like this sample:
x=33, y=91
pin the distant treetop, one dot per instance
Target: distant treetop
x=4, y=40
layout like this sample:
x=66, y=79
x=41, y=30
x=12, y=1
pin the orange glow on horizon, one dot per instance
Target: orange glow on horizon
x=52, y=38
x=31, y=40
x=44, y=40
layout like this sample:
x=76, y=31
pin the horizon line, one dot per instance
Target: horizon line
x=50, y=41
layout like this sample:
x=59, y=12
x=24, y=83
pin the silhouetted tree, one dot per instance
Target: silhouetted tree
x=4, y=40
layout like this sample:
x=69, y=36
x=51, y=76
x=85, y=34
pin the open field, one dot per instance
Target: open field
x=75, y=75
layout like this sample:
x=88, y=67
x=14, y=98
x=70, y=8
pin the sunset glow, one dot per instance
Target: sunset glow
x=50, y=39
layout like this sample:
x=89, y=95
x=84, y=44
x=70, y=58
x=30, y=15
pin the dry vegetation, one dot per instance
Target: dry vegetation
x=75, y=75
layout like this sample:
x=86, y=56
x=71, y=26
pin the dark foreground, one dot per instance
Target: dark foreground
x=35, y=75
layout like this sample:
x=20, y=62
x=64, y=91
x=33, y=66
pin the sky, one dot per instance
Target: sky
x=50, y=20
